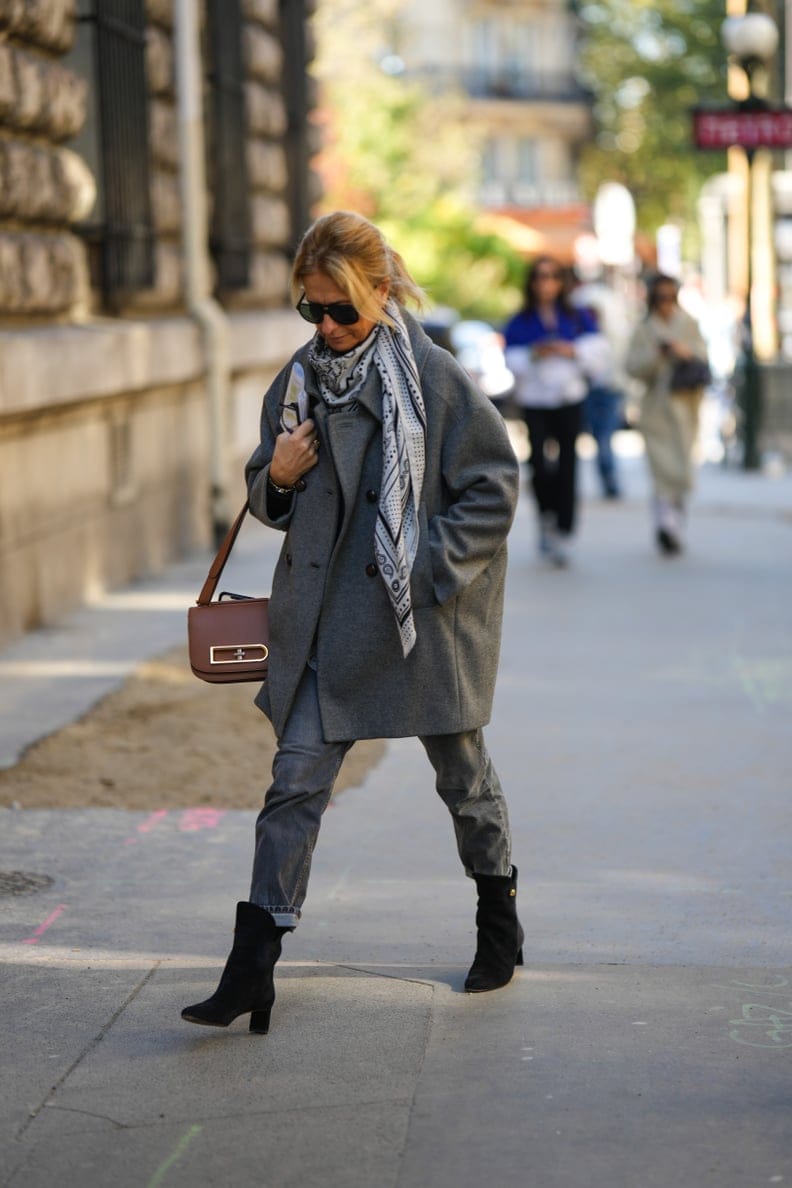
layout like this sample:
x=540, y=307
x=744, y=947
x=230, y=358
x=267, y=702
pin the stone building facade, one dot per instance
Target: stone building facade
x=105, y=438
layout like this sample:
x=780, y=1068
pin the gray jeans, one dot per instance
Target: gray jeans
x=303, y=773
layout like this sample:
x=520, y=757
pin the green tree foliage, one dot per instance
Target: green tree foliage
x=408, y=159
x=648, y=62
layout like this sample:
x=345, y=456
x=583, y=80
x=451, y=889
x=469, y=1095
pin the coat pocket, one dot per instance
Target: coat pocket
x=422, y=578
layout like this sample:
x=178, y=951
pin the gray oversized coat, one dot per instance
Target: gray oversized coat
x=329, y=601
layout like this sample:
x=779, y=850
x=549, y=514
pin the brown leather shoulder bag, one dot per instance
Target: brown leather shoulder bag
x=228, y=639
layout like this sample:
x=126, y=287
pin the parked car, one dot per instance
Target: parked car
x=479, y=349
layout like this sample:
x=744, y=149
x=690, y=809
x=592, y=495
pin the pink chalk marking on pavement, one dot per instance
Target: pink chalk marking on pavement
x=42, y=928
x=147, y=825
x=200, y=818
x=190, y=821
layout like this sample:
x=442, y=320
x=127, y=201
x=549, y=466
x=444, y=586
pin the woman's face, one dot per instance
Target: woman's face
x=319, y=287
x=665, y=302
x=547, y=282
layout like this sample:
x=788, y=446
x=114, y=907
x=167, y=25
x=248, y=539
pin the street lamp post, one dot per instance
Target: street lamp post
x=751, y=40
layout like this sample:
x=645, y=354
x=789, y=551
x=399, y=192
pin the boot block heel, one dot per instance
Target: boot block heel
x=519, y=960
x=260, y=1021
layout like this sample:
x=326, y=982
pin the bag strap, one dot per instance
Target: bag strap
x=218, y=565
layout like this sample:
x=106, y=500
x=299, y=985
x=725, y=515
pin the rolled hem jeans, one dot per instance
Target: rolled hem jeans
x=303, y=774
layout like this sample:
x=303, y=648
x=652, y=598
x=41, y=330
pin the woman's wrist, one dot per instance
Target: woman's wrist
x=279, y=490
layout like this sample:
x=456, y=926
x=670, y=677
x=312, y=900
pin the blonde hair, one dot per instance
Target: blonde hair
x=353, y=253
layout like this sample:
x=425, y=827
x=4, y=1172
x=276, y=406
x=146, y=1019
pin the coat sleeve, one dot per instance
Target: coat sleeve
x=481, y=475
x=643, y=359
x=271, y=509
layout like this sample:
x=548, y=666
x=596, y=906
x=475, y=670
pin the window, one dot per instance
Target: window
x=109, y=52
x=297, y=100
x=527, y=160
x=485, y=53
x=229, y=236
x=492, y=190
x=490, y=161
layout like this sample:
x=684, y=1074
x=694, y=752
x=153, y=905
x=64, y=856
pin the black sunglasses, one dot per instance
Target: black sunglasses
x=341, y=312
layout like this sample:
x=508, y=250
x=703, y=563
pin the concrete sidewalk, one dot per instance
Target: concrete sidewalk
x=642, y=733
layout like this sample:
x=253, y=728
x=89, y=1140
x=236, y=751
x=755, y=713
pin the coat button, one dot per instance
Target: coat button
x=372, y=496
x=288, y=558
x=300, y=485
x=371, y=569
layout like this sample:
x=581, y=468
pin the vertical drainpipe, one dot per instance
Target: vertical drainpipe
x=207, y=313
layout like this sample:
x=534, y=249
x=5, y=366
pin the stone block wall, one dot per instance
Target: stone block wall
x=104, y=433
x=266, y=157
x=167, y=290
x=271, y=230
x=44, y=188
x=110, y=480
x=120, y=519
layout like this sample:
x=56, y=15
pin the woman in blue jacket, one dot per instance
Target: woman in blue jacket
x=547, y=344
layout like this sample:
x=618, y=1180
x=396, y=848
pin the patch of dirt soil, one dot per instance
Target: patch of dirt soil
x=163, y=740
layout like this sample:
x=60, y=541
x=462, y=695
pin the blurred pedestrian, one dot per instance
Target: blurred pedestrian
x=393, y=479
x=601, y=418
x=550, y=346
x=603, y=406
x=669, y=355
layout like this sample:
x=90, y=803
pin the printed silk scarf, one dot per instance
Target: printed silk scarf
x=403, y=447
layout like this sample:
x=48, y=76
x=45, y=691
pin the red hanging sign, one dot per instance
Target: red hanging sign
x=720, y=129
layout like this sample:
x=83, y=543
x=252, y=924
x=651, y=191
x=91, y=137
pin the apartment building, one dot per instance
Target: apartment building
x=515, y=61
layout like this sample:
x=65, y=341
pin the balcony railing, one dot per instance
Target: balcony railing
x=510, y=192
x=517, y=83
x=506, y=82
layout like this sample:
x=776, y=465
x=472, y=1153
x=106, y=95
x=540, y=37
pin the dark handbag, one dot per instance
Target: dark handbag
x=228, y=640
x=688, y=374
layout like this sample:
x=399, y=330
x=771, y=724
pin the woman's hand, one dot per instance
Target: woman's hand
x=295, y=454
x=679, y=350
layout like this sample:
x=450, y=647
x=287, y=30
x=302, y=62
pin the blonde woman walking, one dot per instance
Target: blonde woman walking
x=394, y=483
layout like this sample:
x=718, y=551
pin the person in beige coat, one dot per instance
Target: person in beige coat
x=393, y=481
x=669, y=355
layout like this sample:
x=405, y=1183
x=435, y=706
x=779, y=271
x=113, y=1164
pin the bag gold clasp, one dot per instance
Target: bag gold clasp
x=252, y=653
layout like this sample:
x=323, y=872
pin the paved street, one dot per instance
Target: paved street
x=641, y=731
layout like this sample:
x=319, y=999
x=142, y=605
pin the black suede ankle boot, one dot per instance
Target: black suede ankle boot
x=499, y=935
x=247, y=981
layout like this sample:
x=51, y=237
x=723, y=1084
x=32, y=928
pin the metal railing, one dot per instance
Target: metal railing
x=229, y=235
x=506, y=82
x=125, y=239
